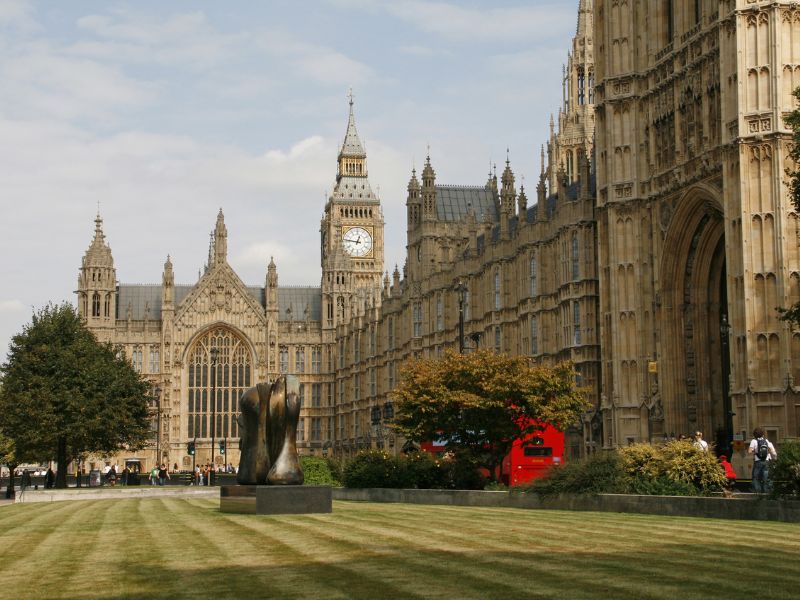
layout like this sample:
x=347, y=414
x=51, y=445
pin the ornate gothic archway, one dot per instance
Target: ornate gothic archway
x=694, y=350
x=233, y=374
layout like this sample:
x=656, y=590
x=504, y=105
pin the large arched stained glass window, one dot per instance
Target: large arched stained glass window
x=226, y=377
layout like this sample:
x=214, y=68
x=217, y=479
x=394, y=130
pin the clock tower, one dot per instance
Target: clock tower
x=351, y=237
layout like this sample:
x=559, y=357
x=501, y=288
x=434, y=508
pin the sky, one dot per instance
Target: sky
x=161, y=113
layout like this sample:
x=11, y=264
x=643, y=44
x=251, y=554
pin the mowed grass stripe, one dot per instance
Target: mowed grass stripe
x=26, y=544
x=386, y=562
x=170, y=548
x=546, y=541
x=282, y=533
x=504, y=557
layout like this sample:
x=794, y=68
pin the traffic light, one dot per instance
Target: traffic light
x=190, y=448
x=222, y=446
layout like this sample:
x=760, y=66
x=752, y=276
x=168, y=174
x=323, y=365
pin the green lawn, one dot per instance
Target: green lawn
x=182, y=548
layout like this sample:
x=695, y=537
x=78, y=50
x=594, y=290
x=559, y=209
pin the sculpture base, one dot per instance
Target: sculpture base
x=275, y=499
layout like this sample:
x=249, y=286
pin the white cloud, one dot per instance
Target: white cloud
x=479, y=24
x=187, y=40
x=11, y=306
x=17, y=14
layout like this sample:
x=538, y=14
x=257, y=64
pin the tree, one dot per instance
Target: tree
x=8, y=458
x=792, y=120
x=481, y=403
x=64, y=394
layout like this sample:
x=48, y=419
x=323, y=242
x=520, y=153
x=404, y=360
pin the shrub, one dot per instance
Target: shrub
x=685, y=464
x=642, y=461
x=462, y=472
x=599, y=473
x=676, y=469
x=784, y=472
x=373, y=468
x=317, y=471
x=422, y=470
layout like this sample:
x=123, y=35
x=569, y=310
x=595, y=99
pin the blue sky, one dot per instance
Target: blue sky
x=165, y=111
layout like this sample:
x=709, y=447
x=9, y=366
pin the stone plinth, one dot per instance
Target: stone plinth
x=275, y=499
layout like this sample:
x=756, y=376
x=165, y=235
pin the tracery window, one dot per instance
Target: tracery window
x=533, y=276
x=439, y=313
x=155, y=359
x=96, y=304
x=417, y=315
x=576, y=265
x=283, y=359
x=136, y=359
x=534, y=335
x=316, y=359
x=223, y=382
x=576, y=323
x=498, y=304
x=300, y=360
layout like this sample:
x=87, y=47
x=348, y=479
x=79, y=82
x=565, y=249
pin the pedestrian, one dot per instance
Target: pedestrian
x=26, y=479
x=763, y=451
x=199, y=473
x=126, y=473
x=111, y=476
x=699, y=442
x=730, y=474
x=49, y=479
x=154, y=475
x=163, y=475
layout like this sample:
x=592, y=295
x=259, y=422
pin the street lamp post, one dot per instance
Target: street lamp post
x=214, y=356
x=461, y=289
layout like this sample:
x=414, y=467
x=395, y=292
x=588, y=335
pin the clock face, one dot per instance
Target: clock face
x=357, y=241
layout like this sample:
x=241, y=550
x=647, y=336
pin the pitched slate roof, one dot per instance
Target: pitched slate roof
x=298, y=298
x=453, y=202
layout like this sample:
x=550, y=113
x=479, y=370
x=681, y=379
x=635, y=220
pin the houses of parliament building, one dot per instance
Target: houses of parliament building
x=652, y=253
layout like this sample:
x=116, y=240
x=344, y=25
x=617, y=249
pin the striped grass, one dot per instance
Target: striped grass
x=185, y=548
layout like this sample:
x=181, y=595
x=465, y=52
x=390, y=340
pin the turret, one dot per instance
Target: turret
x=220, y=240
x=167, y=287
x=522, y=207
x=272, y=285
x=413, y=202
x=97, y=285
x=507, y=195
x=428, y=191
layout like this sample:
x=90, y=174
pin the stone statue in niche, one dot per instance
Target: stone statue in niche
x=268, y=424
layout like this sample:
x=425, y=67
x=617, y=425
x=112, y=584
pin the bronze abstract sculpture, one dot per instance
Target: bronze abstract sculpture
x=268, y=426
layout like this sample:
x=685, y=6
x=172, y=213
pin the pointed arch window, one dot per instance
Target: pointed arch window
x=576, y=265
x=96, y=304
x=107, y=306
x=581, y=87
x=533, y=276
x=283, y=359
x=300, y=360
x=498, y=299
x=222, y=382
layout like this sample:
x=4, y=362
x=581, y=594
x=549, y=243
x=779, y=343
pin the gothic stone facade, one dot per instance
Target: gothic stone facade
x=660, y=241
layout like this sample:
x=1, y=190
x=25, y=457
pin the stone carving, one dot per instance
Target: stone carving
x=268, y=426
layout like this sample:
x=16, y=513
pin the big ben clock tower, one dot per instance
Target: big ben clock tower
x=352, y=236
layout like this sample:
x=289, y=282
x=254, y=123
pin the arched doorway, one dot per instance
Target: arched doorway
x=219, y=368
x=694, y=324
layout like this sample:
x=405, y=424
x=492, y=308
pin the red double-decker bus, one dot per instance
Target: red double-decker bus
x=529, y=459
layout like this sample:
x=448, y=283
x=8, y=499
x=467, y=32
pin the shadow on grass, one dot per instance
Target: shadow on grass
x=675, y=572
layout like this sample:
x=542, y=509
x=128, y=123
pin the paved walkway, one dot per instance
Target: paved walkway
x=117, y=493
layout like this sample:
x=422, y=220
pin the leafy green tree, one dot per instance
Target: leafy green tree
x=8, y=458
x=481, y=403
x=792, y=120
x=65, y=395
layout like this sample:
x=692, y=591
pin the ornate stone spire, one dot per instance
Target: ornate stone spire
x=352, y=143
x=351, y=177
x=99, y=252
x=220, y=239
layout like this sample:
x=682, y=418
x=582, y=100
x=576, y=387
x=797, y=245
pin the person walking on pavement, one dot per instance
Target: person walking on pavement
x=163, y=475
x=763, y=452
